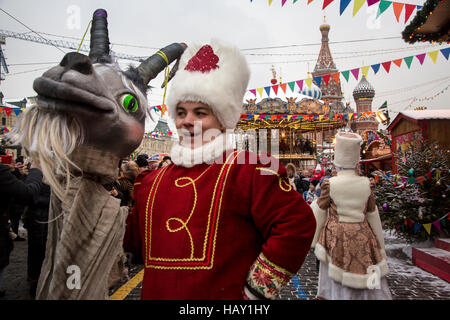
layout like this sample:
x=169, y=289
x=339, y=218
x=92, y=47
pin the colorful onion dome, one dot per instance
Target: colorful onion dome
x=364, y=89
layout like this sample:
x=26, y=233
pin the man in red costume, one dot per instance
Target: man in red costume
x=218, y=223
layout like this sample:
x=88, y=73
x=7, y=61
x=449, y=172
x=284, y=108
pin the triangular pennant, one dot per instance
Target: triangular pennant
x=308, y=82
x=270, y=2
x=267, y=91
x=283, y=87
x=295, y=1
x=253, y=91
x=336, y=77
x=326, y=3
x=386, y=65
x=326, y=79
x=445, y=52
x=419, y=7
x=421, y=57
x=318, y=80
x=16, y=111
x=408, y=61
x=300, y=84
x=355, y=73
x=292, y=85
x=383, y=6
x=309, y=1
x=398, y=62
x=437, y=224
x=343, y=5
x=417, y=227
x=375, y=67
x=427, y=227
x=346, y=73
x=365, y=70
x=275, y=89
x=8, y=111
x=372, y=2
x=260, y=91
x=357, y=5
x=397, y=7
x=409, y=9
x=433, y=55
x=283, y=2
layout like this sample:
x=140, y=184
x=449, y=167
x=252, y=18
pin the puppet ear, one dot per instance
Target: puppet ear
x=99, y=37
x=151, y=67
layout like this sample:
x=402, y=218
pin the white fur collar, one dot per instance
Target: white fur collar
x=207, y=153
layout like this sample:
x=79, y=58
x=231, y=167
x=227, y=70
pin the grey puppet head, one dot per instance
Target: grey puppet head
x=89, y=101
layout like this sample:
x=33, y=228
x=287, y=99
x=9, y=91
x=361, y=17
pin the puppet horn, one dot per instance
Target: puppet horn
x=151, y=67
x=99, y=37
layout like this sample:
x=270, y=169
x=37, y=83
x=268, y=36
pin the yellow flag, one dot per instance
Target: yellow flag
x=320, y=117
x=433, y=55
x=357, y=5
x=260, y=91
x=350, y=116
x=256, y=117
x=289, y=118
x=365, y=70
x=427, y=227
x=270, y=2
x=309, y=82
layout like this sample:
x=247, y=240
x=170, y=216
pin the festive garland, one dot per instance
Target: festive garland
x=410, y=35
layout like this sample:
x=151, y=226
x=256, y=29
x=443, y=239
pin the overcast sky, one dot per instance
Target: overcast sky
x=157, y=23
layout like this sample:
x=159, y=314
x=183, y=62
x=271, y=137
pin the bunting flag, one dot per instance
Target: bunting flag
x=409, y=9
x=17, y=111
x=326, y=3
x=417, y=227
x=375, y=67
x=386, y=65
x=355, y=73
x=345, y=74
x=7, y=111
x=291, y=85
x=433, y=55
x=357, y=5
x=408, y=61
x=437, y=224
x=398, y=7
x=308, y=82
x=365, y=70
x=445, y=52
x=343, y=5
x=383, y=5
x=427, y=227
x=398, y=62
x=421, y=57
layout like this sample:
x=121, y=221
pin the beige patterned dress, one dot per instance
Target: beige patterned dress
x=352, y=261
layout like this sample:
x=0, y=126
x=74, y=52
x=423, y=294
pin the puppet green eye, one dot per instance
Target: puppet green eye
x=129, y=102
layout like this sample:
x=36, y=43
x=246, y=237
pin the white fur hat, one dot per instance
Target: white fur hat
x=215, y=74
x=347, y=149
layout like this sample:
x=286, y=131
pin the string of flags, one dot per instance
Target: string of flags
x=157, y=134
x=432, y=97
x=412, y=180
x=383, y=5
x=346, y=74
x=160, y=108
x=309, y=117
x=8, y=110
x=427, y=226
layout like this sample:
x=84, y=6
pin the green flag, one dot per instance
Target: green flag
x=345, y=74
x=383, y=106
x=383, y=6
x=292, y=85
x=408, y=61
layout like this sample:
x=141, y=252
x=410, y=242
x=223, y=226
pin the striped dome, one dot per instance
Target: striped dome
x=313, y=92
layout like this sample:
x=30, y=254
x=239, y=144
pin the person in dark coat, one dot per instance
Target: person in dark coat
x=25, y=192
x=36, y=222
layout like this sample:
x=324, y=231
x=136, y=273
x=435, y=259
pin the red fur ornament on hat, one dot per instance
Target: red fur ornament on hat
x=204, y=60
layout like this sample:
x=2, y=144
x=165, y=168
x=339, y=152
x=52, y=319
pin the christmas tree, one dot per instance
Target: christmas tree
x=415, y=201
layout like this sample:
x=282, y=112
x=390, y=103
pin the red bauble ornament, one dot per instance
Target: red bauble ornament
x=394, y=184
x=204, y=60
x=403, y=187
x=273, y=81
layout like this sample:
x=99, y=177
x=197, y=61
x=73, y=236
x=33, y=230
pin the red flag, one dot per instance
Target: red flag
x=326, y=3
x=409, y=9
x=326, y=78
x=275, y=89
x=387, y=65
x=8, y=111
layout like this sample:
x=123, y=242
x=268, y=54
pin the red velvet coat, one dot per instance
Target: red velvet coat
x=201, y=229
